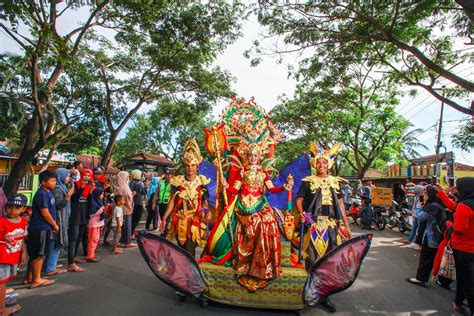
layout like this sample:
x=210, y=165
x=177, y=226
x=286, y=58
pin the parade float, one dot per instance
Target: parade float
x=217, y=275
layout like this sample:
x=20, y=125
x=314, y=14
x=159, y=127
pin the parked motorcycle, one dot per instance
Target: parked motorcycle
x=378, y=214
x=378, y=218
x=399, y=216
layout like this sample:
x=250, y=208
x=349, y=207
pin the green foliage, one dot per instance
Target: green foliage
x=411, y=41
x=464, y=139
x=354, y=109
x=164, y=130
x=161, y=51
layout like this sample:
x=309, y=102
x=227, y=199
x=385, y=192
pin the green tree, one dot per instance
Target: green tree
x=411, y=144
x=164, y=130
x=46, y=54
x=355, y=109
x=166, y=50
x=464, y=139
x=412, y=41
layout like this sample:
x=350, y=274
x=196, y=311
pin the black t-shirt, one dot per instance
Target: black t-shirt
x=305, y=193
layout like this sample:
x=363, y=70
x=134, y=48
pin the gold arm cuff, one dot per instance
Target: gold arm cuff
x=269, y=184
x=237, y=184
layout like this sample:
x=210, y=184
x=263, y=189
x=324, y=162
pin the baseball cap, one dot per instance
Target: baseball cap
x=17, y=199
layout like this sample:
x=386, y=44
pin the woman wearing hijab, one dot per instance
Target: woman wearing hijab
x=416, y=208
x=463, y=244
x=79, y=218
x=62, y=197
x=138, y=190
x=124, y=190
x=152, y=214
x=96, y=222
x=433, y=214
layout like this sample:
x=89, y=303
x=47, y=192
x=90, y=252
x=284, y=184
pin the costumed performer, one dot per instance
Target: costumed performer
x=321, y=208
x=188, y=203
x=257, y=248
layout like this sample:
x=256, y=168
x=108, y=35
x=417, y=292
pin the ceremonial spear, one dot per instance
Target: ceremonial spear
x=216, y=143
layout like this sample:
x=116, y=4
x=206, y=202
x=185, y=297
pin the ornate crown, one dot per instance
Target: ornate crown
x=191, y=153
x=248, y=128
x=319, y=153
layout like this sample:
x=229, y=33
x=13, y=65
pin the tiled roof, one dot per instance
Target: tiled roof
x=151, y=157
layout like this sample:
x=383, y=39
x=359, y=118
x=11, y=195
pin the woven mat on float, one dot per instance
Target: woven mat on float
x=282, y=293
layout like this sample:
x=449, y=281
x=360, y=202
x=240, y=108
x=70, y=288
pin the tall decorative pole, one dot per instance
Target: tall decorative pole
x=216, y=143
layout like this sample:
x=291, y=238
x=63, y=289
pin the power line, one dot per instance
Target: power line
x=427, y=106
x=403, y=107
x=468, y=68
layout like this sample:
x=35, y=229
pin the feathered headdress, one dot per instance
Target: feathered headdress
x=191, y=153
x=319, y=153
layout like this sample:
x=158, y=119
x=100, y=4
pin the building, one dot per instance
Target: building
x=148, y=162
x=93, y=161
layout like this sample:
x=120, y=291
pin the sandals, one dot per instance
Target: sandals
x=56, y=271
x=130, y=245
x=93, y=259
x=416, y=282
x=77, y=260
x=13, y=309
x=42, y=284
x=459, y=309
x=78, y=269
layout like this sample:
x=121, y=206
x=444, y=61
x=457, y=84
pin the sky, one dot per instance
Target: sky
x=269, y=80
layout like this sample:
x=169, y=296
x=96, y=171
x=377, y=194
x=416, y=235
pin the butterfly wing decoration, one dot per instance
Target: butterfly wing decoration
x=171, y=264
x=337, y=270
x=299, y=169
x=210, y=171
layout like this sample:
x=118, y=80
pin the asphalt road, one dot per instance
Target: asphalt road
x=124, y=285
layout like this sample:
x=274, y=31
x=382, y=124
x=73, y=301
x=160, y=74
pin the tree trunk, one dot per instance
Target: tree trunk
x=49, y=157
x=29, y=151
x=108, y=150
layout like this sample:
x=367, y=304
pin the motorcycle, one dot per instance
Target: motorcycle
x=354, y=212
x=401, y=217
x=378, y=217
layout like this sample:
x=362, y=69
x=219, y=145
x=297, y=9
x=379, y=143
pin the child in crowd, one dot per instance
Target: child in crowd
x=42, y=222
x=116, y=222
x=96, y=222
x=12, y=247
x=109, y=212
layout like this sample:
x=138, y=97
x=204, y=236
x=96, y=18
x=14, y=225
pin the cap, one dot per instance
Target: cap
x=17, y=199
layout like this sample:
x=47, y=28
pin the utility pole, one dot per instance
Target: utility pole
x=438, y=143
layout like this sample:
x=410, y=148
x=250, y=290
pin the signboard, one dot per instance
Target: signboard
x=382, y=196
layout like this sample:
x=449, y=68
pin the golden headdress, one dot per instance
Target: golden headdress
x=319, y=153
x=192, y=153
x=249, y=129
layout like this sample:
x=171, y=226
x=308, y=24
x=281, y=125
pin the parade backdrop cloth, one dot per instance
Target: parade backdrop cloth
x=337, y=270
x=171, y=264
x=208, y=170
x=299, y=169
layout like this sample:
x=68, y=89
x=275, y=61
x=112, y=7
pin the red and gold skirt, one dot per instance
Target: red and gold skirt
x=258, y=245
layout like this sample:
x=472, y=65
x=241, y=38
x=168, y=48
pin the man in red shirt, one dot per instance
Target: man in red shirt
x=12, y=246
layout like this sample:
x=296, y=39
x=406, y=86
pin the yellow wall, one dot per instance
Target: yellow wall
x=3, y=165
x=457, y=173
